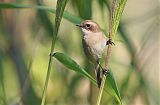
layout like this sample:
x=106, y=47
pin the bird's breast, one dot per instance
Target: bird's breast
x=95, y=39
x=93, y=45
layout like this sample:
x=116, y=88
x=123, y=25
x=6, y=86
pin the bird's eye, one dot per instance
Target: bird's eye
x=88, y=25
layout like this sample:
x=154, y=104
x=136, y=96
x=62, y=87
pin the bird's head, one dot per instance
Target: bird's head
x=89, y=26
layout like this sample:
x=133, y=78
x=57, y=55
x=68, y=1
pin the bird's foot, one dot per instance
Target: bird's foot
x=110, y=42
x=105, y=72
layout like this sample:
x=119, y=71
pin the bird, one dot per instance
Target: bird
x=94, y=42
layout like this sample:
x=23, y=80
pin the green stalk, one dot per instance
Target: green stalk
x=46, y=82
x=108, y=53
x=115, y=15
x=101, y=90
x=59, y=13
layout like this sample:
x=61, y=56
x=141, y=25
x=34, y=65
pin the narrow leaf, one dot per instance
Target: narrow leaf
x=66, y=14
x=59, y=13
x=71, y=64
x=111, y=83
x=83, y=7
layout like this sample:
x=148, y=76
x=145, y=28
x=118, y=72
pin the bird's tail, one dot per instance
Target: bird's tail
x=98, y=74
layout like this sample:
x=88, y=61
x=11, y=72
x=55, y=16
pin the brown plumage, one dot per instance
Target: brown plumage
x=94, y=42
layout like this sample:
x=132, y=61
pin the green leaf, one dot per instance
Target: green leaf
x=59, y=13
x=10, y=5
x=66, y=14
x=112, y=85
x=72, y=18
x=84, y=8
x=71, y=64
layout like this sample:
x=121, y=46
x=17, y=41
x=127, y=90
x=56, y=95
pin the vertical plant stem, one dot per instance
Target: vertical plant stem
x=59, y=13
x=108, y=54
x=101, y=90
x=93, y=92
x=115, y=15
x=50, y=63
x=46, y=82
x=104, y=76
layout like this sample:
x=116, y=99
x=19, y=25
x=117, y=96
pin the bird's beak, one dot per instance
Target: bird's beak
x=79, y=25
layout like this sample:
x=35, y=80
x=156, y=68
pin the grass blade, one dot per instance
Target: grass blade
x=71, y=64
x=83, y=7
x=110, y=86
x=66, y=14
x=111, y=83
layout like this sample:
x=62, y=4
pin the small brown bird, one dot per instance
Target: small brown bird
x=94, y=42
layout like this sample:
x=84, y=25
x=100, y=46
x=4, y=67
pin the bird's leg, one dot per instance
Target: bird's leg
x=99, y=74
x=99, y=78
x=109, y=42
x=99, y=65
x=104, y=71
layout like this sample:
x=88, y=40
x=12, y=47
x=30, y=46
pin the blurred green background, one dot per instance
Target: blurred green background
x=25, y=41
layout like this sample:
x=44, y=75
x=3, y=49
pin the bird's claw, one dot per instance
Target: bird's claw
x=110, y=42
x=105, y=72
